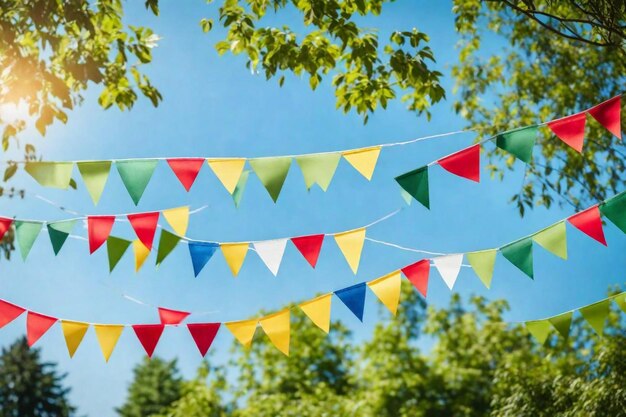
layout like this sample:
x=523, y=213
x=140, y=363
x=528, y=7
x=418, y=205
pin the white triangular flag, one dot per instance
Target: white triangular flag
x=449, y=267
x=271, y=253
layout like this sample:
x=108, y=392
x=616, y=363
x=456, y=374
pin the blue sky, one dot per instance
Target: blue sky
x=215, y=107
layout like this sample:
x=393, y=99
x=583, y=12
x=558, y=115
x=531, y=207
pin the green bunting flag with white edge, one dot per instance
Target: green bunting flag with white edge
x=416, y=184
x=95, y=175
x=58, y=232
x=520, y=254
x=167, y=243
x=482, y=263
x=553, y=239
x=116, y=247
x=519, y=142
x=51, y=174
x=318, y=169
x=272, y=172
x=135, y=175
x=26, y=234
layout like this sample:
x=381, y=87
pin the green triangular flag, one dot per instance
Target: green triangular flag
x=520, y=254
x=58, y=232
x=408, y=199
x=51, y=174
x=416, y=184
x=26, y=234
x=620, y=300
x=519, y=142
x=483, y=262
x=596, y=315
x=614, y=209
x=95, y=175
x=272, y=172
x=167, y=243
x=116, y=247
x=562, y=323
x=136, y=175
x=553, y=239
x=240, y=187
x=318, y=169
x=539, y=329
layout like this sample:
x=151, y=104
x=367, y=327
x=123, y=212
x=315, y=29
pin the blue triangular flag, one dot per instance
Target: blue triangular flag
x=200, y=253
x=354, y=298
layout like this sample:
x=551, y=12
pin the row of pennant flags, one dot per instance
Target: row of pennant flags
x=319, y=168
x=271, y=252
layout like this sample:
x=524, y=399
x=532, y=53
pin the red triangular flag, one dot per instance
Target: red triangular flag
x=570, y=129
x=5, y=225
x=9, y=312
x=98, y=229
x=417, y=273
x=309, y=247
x=203, y=334
x=36, y=325
x=168, y=316
x=186, y=169
x=465, y=163
x=145, y=225
x=590, y=223
x=148, y=335
x=608, y=114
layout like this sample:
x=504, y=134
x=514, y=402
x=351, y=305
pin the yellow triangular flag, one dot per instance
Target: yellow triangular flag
x=277, y=328
x=387, y=289
x=318, y=310
x=73, y=331
x=141, y=252
x=227, y=171
x=178, y=219
x=108, y=335
x=234, y=253
x=243, y=330
x=351, y=245
x=363, y=160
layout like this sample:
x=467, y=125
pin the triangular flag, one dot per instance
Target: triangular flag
x=167, y=243
x=228, y=171
x=272, y=172
x=363, y=160
x=620, y=300
x=482, y=263
x=145, y=225
x=318, y=168
x=98, y=229
x=520, y=254
x=608, y=114
x=178, y=219
x=465, y=163
x=5, y=225
x=51, y=174
x=167, y=316
x=590, y=223
x=186, y=169
x=108, y=335
x=95, y=175
x=614, y=209
x=26, y=234
x=234, y=253
x=58, y=232
x=354, y=298
x=200, y=253
x=449, y=267
x=387, y=289
x=241, y=186
x=318, y=310
x=416, y=183
x=553, y=239
x=141, y=254
x=539, y=329
x=9, y=312
x=351, y=245
x=519, y=142
x=562, y=323
x=417, y=274
x=36, y=325
x=148, y=335
x=309, y=247
x=203, y=334
x=571, y=130
x=596, y=315
x=243, y=330
x=271, y=253
x=136, y=175
x=116, y=248
x=73, y=332
x=277, y=327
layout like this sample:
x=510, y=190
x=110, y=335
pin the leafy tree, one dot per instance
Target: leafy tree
x=29, y=387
